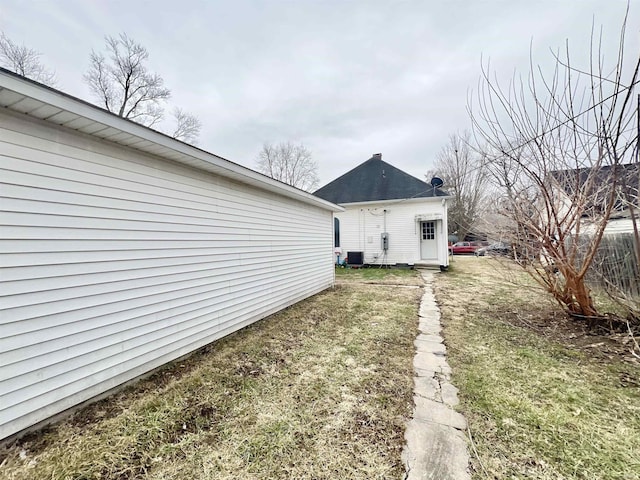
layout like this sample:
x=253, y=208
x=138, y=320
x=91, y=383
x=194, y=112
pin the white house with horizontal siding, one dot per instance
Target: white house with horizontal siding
x=123, y=249
x=389, y=217
x=591, y=189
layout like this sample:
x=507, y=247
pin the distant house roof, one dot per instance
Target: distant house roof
x=597, y=184
x=376, y=180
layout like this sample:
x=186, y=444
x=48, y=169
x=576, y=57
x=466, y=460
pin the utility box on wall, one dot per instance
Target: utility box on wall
x=384, y=241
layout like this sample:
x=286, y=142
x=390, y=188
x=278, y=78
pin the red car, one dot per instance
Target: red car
x=460, y=248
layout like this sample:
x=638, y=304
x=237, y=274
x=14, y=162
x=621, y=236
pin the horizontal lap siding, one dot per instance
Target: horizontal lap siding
x=115, y=263
x=404, y=233
x=351, y=234
x=360, y=223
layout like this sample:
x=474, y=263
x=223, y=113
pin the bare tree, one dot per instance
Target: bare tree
x=290, y=164
x=24, y=61
x=122, y=83
x=187, y=128
x=557, y=142
x=466, y=180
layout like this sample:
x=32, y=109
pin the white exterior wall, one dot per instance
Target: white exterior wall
x=115, y=262
x=614, y=226
x=620, y=225
x=362, y=224
x=617, y=226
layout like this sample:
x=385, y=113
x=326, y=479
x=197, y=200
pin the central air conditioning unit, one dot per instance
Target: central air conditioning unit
x=355, y=258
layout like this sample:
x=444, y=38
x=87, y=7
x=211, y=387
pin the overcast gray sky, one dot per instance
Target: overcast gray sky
x=346, y=78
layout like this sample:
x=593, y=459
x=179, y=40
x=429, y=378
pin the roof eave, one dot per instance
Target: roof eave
x=25, y=96
x=397, y=200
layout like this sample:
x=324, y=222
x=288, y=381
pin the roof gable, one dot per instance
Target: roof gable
x=376, y=180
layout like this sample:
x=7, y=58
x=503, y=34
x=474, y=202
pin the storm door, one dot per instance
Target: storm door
x=428, y=245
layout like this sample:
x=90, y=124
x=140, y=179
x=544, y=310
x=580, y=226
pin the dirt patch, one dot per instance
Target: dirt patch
x=573, y=333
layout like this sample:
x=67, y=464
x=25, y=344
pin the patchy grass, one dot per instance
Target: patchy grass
x=321, y=390
x=539, y=404
x=384, y=276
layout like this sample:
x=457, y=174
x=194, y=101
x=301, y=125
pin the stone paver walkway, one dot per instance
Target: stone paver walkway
x=436, y=446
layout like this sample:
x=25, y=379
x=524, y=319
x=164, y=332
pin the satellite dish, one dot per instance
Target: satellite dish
x=436, y=182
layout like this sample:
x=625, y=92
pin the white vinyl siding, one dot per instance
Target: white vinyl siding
x=115, y=262
x=362, y=224
x=615, y=226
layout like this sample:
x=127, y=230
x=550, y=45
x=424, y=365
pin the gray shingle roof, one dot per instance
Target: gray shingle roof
x=597, y=184
x=376, y=180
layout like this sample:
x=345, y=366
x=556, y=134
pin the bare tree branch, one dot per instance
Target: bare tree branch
x=290, y=164
x=557, y=147
x=24, y=61
x=466, y=180
x=187, y=127
x=123, y=84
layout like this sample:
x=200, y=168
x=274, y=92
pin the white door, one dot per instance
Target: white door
x=428, y=243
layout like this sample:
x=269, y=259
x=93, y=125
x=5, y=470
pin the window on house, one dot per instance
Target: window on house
x=336, y=232
x=428, y=230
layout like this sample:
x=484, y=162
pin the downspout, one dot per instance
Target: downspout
x=636, y=235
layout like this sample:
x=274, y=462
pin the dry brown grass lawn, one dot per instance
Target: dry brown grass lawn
x=544, y=398
x=321, y=390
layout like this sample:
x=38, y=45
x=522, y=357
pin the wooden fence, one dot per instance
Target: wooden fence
x=615, y=266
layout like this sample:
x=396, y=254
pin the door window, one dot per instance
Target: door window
x=428, y=230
